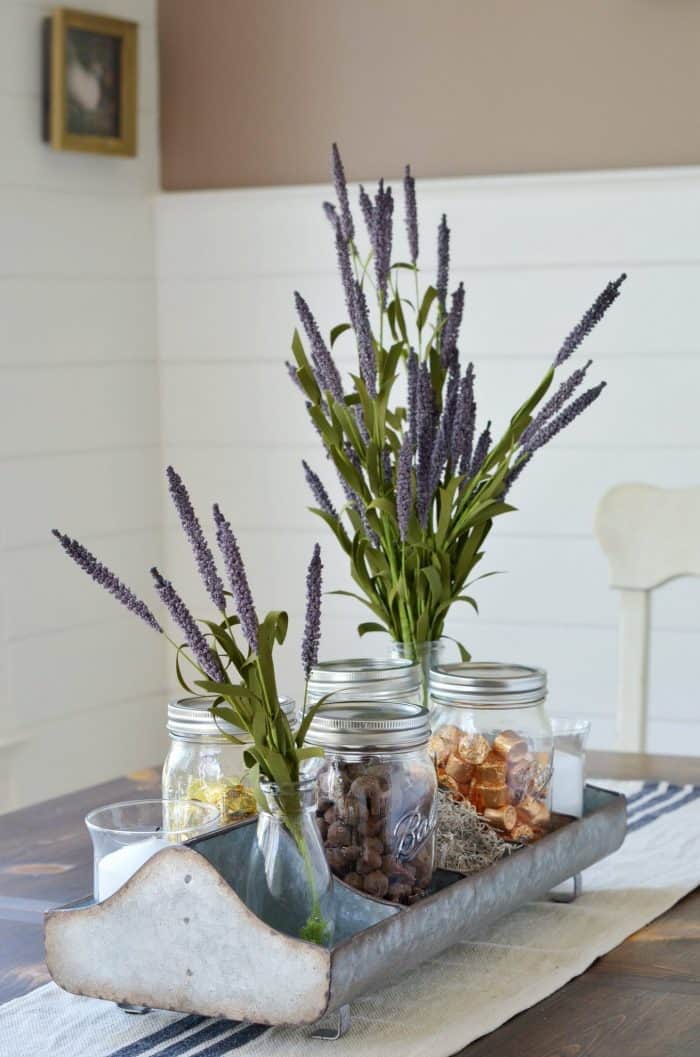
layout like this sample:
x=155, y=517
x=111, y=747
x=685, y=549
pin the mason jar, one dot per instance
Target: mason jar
x=365, y=679
x=376, y=796
x=203, y=764
x=492, y=743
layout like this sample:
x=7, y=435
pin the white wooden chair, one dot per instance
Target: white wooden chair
x=650, y=536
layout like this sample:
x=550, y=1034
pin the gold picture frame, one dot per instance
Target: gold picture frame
x=90, y=82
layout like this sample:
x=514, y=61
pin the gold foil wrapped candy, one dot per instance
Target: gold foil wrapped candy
x=501, y=777
x=473, y=748
x=233, y=799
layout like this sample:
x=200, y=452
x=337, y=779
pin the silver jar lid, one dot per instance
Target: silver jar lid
x=365, y=726
x=483, y=684
x=386, y=676
x=190, y=718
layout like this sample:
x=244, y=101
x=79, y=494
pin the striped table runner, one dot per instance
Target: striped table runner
x=445, y=1004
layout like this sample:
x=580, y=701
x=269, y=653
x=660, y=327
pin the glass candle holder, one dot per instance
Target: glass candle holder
x=569, y=764
x=124, y=836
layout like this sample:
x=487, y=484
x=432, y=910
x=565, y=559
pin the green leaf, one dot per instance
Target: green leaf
x=369, y=626
x=464, y=653
x=308, y=752
x=337, y=331
x=428, y=298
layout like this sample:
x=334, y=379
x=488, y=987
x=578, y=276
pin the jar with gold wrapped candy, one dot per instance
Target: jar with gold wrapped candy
x=203, y=764
x=376, y=795
x=492, y=743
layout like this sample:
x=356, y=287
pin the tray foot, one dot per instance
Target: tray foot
x=568, y=890
x=126, y=1007
x=339, y=1024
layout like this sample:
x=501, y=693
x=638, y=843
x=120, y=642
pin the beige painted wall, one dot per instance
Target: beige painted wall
x=254, y=91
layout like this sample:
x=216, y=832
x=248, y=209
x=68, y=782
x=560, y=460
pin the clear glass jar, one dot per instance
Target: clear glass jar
x=492, y=743
x=203, y=764
x=289, y=884
x=365, y=679
x=376, y=796
x=427, y=655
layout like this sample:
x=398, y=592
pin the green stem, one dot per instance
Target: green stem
x=316, y=929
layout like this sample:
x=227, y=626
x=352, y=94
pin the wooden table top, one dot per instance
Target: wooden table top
x=640, y=1000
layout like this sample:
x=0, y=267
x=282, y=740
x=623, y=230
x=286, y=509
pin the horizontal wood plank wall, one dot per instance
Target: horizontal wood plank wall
x=81, y=683
x=533, y=252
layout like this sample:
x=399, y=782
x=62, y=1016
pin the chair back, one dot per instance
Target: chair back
x=650, y=535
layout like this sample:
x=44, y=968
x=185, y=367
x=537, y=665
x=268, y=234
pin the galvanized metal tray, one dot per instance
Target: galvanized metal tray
x=179, y=936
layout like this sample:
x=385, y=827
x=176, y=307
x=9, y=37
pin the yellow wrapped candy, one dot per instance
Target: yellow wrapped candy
x=233, y=799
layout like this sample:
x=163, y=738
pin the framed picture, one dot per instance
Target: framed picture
x=90, y=82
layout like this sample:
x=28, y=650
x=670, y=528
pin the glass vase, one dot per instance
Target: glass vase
x=289, y=883
x=427, y=654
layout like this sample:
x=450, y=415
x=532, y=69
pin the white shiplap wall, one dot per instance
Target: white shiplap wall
x=81, y=683
x=533, y=252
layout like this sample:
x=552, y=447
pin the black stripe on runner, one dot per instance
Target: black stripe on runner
x=213, y=1029
x=234, y=1042
x=178, y=1027
x=653, y=801
x=693, y=794
x=644, y=791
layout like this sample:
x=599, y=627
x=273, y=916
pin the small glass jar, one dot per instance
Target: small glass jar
x=426, y=655
x=288, y=883
x=365, y=679
x=203, y=764
x=492, y=743
x=376, y=796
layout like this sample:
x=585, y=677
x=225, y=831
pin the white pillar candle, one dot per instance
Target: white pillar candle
x=567, y=783
x=115, y=869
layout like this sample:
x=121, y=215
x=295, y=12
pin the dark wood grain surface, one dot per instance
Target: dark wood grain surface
x=640, y=1000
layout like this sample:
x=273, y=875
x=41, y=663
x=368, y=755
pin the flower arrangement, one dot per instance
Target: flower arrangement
x=422, y=484
x=240, y=676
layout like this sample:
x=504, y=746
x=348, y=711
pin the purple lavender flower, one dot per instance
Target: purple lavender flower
x=205, y=657
x=318, y=491
x=589, y=320
x=426, y=420
x=312, y=624
x=437, y=459
x=341, y=190
x=555, y=403
x=292, y=372
x=331, y=214
x=404, y=498
x=365, y=346
x=238, y=579
x=105, y=578
x=412, y=387
x=449, y=410
x=567, y=416
x=382, y=231
x=367, y=211
x=443, y=263
x=464, y=424
x=514, y=473
x=193, y=530
x=481, y=450
x=450, y=332
x=409, y=191
x=327, y=374
x=346, y=276
x=309, y=406
x=386, y=464
x=359, y=416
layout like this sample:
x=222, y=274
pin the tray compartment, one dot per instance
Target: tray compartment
x=178, y=936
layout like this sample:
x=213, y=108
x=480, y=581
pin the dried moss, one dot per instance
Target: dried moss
x=464, y=841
